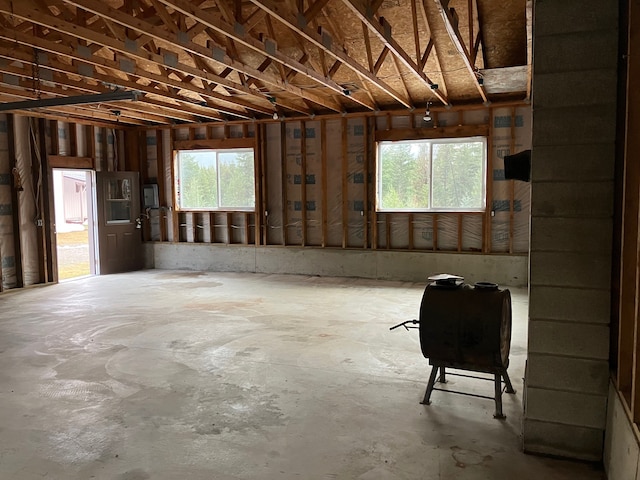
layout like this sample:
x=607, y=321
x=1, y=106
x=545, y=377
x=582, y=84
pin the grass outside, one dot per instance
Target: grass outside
x=73, y=254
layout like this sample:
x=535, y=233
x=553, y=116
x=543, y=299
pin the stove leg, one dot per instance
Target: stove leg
x=443, y=377
x=432, y=380
x=507, y=382
x=498, y=396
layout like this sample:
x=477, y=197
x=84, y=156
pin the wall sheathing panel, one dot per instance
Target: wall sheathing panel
x=7, y=252
x=27, y=202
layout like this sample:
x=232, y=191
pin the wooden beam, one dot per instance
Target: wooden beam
x=367, y=45
x=456, y=38
x=16, y=190
x=416, y=34
x=261, y=217
x=380, y=60
x=68, y=161
x=35, y=14
x=488, y=216
x=311, y=12
x=410, y=220
x=367, y=191
x=323, y=159
x=268, y=48
x=512, y=149
x=46, y=232
x=345, y=185
x=423, y=10
x=382, y=30
x=283, y=163
x=437, y=132
x=161, y=182
x=218, y=143
x=175, y=224
x=303, y=179
x=628, y=371
x=324, y=41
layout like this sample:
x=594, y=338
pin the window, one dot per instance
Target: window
x=432, y=175
x=215, y=179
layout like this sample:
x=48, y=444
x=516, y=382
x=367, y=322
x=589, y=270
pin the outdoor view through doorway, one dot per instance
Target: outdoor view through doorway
x=73, y=197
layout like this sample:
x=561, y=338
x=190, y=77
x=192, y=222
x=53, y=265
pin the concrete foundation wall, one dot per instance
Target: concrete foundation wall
x=621, y=453
x=573, y=157
x=508, y=270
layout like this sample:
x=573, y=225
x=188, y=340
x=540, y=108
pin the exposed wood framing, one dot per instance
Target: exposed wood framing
x=303, y=180
x=323, y=139
x=47, y=240
x=261, y=226
x=175, y=220
x=345, y=185
x=16, y=191
x=323, y=40
x=382, y=30
x=67, y=161
x=458, y=42
x=628, y=372
x=488, y=213
x=283, y=163
x=512, y=186
x=161, y=182
x=435, y=132
x=218, y=143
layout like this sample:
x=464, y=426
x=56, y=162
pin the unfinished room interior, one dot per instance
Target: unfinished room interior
x=214, y=212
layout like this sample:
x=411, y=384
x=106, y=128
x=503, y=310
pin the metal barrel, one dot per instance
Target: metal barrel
x=466, y=326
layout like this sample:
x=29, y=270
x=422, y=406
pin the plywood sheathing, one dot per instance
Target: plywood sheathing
x=504, y=32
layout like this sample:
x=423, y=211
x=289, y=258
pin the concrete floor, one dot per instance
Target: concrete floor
x=169, y=375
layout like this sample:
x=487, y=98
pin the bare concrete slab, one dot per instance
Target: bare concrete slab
x=183, y=374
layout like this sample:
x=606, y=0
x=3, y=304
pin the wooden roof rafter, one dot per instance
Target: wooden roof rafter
x=451, y=26
x=214, y=52
x=382, y=29
x=325, y=42
x=267, y=48
x=431, y=46
x=88, y=64
x=128, y=55
x=61, y=77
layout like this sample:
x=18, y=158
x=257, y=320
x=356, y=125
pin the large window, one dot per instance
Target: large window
x=215, y=179
x=432, y=175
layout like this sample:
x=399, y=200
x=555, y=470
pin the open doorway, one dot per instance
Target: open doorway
x=74, y=213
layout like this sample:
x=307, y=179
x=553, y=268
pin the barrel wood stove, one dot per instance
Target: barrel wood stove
x=465, y=327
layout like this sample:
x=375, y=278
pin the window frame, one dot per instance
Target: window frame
x=178, y=186
x=433, y=141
